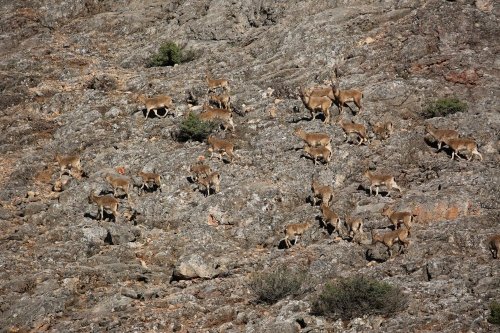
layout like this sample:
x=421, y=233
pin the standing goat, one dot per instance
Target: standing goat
x=314, y=139
x=155, y=103
x=397, y=217
x=222, y=100
x=119, y=182
x=220, y=146
x=149, y=180
x=70, y=163
x=383, y=130
x=391, y=237
x=320, y=91
x=216, y=83
x=199, y=169
x=325, y=153
x=316, y=104
x=295, y=230
x=207, y=182
x=463, y=143
x=209, y=114
x=105, y=201
x=379, y=179
x=344, y=96
x=441, y=134
x=354, y=225
x=353, y=128
x=494, y=245
x=323, y=192
x=330, y=217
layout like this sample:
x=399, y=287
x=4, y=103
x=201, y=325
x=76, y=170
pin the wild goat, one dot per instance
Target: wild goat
x=222, y=101
x=383, y=130
x=209, y=114
x=389, y=238
x=155, y=103
x=316, y=153
x=221, y=147
x=379, y=179
x=349, y=128
x=295, y=230
x=323, y=192
x=207, y=182
x=315, y=104
x=396, y=217
x=494, y=245
x=344, y=96
x=321, y=91
x=149, y=180
x=119, y=182
x=330, y=217
x=463, y=143
x=69, y=162
x=440, y=135
x=199, y=169
x=354, y=225
x=314, y=139
x=105, y=201
x=216, y=83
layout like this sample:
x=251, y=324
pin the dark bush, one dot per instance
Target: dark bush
x=444, y=107
x=495, y=313
x=273, y=285
x=170, y=54
x=354, y=297
x=193, y=128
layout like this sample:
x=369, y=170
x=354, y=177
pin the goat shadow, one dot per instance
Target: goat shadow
x=150, y=189
x=434, y=144
x=162, y=113
x=330, y=229
x=118, y=196
x=107, y=216
x=383, y=193
x=306, y=118
x=282, y=244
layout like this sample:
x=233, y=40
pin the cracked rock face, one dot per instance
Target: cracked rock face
x=176, y=260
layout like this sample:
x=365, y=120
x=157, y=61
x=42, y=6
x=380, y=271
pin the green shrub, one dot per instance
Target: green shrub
x=444, y=107
x=273, y=285
x=495, y=313
x=170, y=54
x=193, y=128
x=355, y=297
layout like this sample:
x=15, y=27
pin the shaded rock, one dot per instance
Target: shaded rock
x=95, y=234
x=119, y=234
x=194, y=266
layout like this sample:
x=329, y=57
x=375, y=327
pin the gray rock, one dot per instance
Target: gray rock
x=194, y=266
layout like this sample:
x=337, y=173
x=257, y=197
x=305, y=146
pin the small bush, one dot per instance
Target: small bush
x=355, y=297
x=193, y=128
x=277, y=283
x=495, y=313
x=444, y=107
x=170, y=54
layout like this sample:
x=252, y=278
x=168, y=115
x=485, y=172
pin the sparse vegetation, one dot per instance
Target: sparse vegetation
x=494, y=313
x=354, y=297
x=273, y=285
x=193, y=128
x=170, y=54
x=443, y=107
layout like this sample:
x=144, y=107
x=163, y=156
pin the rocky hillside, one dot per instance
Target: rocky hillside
x=176, y=260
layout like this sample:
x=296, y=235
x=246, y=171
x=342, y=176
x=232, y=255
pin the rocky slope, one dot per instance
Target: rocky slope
x=179, y=261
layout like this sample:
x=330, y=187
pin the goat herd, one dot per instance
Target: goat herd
x=317, y=146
